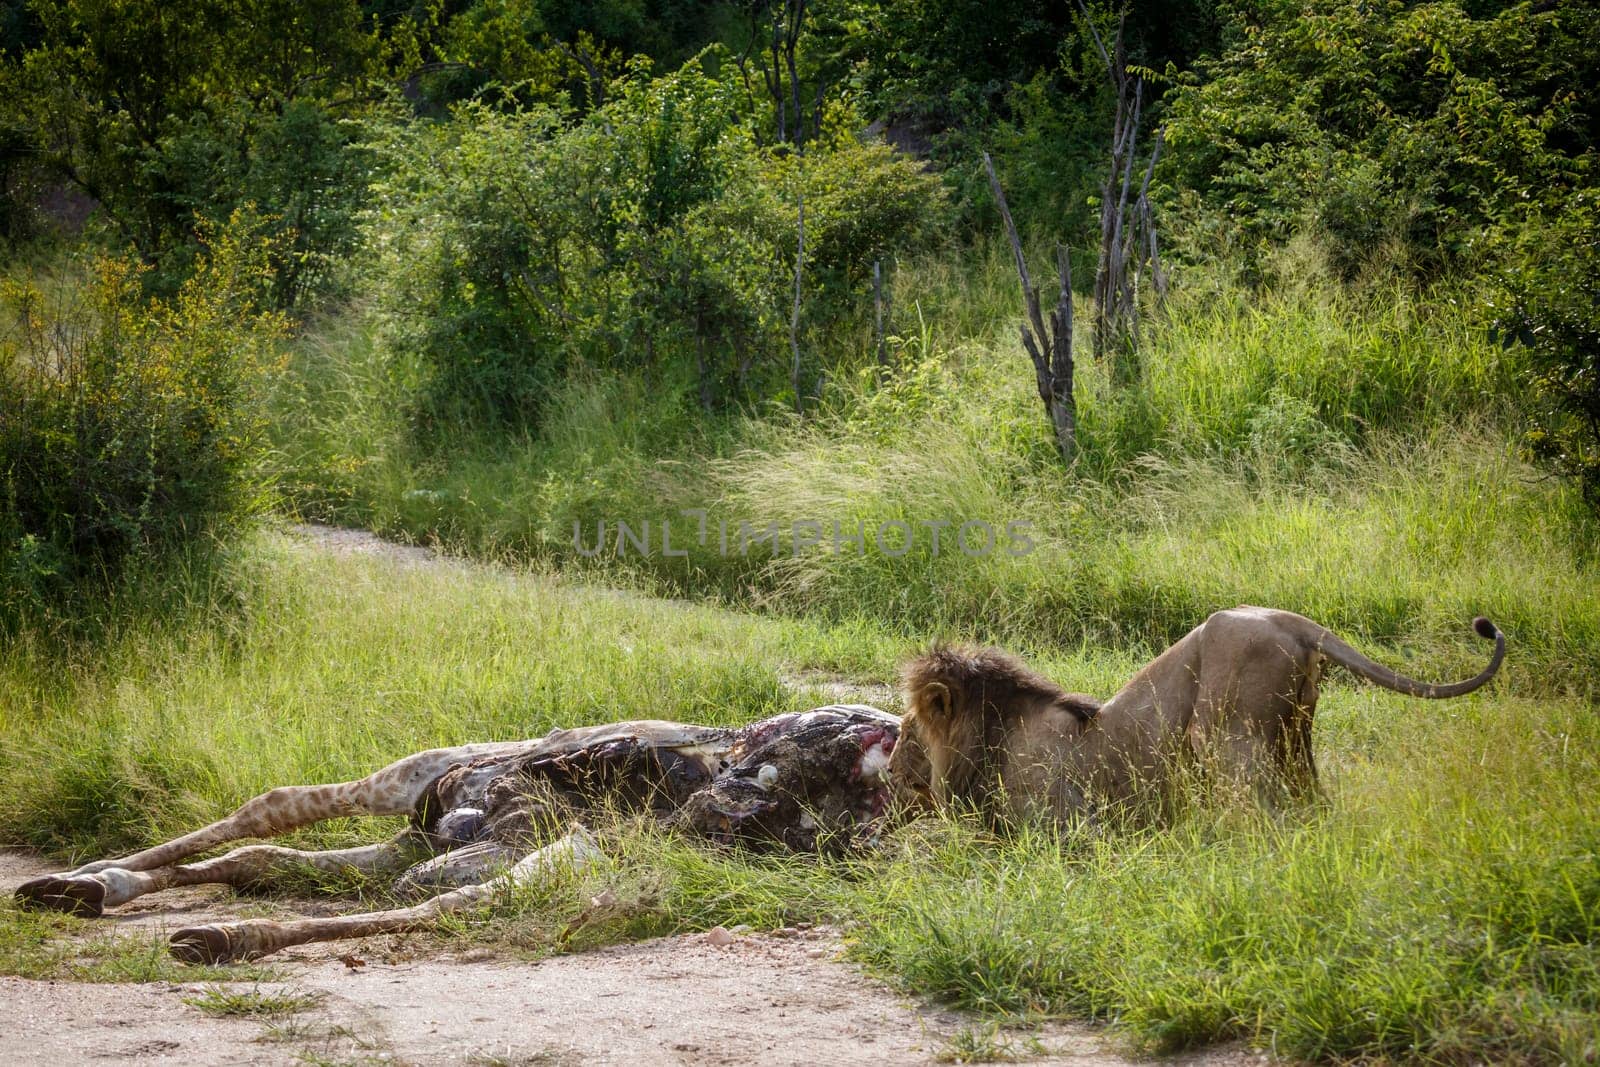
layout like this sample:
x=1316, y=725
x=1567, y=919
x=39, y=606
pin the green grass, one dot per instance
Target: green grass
x=320, y=669
x=1350, y=456
x=987, y=1044
x=1445, y=905
x=254, y=1003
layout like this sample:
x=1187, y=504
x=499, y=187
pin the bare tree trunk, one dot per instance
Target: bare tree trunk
x=1147, y=222
x=1049, y=349
x=702, y=371
x=1102, y=274
x=795, y=10
x=1063, y=402
x=794, y=318
x=785, y=20
x=791, y=41
x=1127, y=230
x=743, y=355
x=774, y=79
x=743, y=60
x=596, y=81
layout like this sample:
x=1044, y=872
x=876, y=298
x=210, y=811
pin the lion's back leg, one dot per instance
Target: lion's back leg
x=1300, y=767
x=1254, y=705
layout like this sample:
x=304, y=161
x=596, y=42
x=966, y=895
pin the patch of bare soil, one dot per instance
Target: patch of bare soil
x=765, y=998
x=347, y=542
x=67, y=1022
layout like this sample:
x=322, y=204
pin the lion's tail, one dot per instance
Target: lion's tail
x=1352, y=660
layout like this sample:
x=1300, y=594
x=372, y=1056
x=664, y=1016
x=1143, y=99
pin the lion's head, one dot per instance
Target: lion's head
x=960, y=702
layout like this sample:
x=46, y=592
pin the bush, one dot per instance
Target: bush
x=1553, y=314
x=296, y=165
x=1406, y=132
x=160, y=112
x=652, y=233
x=127, y=428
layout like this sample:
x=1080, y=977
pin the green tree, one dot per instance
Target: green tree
x=1417, y=130
x=164, y=111
x=652, y=233
x=1555, y=312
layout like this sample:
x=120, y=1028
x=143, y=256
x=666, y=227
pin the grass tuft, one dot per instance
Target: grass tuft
x=986, y=1043
x=254, y=1003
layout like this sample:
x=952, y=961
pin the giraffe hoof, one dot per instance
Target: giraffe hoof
x=74, y=896
x=204, y=944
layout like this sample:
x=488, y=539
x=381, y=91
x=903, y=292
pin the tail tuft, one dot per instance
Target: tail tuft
x=1485, y=628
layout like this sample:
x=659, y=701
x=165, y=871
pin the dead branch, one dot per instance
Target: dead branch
x=1050, y=350
x=1128, y=242
x=794, y=318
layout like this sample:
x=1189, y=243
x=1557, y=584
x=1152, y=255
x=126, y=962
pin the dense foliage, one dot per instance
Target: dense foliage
x=127, y=428
x=1552, y=313
x=1417, y=132
x=531, y=189
x=652, y=233
x=165, y=114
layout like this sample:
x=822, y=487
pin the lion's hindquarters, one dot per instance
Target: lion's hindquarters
x=1255, y=698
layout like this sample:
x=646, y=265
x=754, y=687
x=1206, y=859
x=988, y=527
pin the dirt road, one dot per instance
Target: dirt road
x=765, y=998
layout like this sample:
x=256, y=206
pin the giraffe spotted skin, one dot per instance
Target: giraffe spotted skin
x=803, y=781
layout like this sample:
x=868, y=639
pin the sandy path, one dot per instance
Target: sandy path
x=346, y=542
x=677, y=1000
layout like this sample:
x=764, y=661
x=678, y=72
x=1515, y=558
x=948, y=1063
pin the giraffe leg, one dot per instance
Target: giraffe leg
x=245, y=866
x=252, y=938
x=395, y=790
x=467, y=865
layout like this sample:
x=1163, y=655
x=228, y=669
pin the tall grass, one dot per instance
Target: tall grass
x=1443, y=906
x=1350, y=456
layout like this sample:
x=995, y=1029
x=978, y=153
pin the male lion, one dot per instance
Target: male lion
x=1234, y=697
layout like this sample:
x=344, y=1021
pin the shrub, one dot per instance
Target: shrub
x=127, y=428
x=297, y=165
x=163, y=111
x=516, y=243
x=1553, y=314
x=1414, y=132
x=651, y=234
